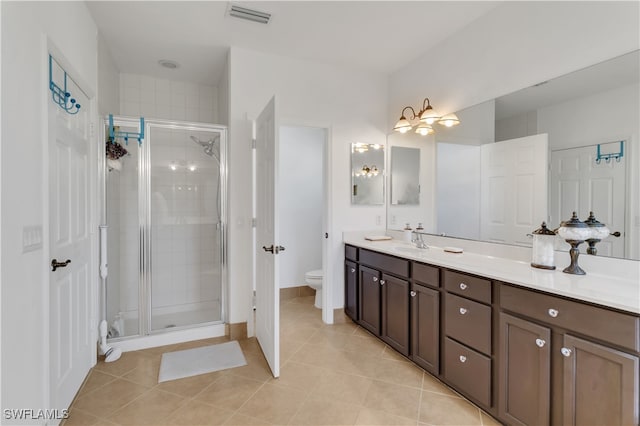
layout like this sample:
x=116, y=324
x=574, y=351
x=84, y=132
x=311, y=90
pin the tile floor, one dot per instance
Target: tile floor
x=330, y=375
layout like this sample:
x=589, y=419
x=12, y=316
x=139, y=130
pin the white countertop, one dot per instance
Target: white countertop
x=617, y=292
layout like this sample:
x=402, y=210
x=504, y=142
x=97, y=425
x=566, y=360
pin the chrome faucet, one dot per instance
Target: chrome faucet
x=419, y=241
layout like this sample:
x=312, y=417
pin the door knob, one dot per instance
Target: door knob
x=616, y=234
x=540, y=342
x=382, y=282
x=55, y=264
x=413, y=293
x=463, y=286
x=463, y=311
x=566, y=352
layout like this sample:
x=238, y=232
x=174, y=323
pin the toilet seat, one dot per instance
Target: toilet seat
x=316, y=273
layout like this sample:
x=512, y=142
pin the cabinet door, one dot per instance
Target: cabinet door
x=600, y=384
x=351, y=290
x=524, y=372
x=395, y=313
x=425, y=326
x=369, y=300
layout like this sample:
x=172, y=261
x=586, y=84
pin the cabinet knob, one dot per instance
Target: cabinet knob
x=375, y=279
x=382, y=282
x=353, y=270
x=463, y=358
x=463, y=286
x=566, y=352
x=413, y=293
x=540, y=342
x=553, y=313
x=463, y=311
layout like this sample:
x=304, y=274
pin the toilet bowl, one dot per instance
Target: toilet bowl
x=314, y=280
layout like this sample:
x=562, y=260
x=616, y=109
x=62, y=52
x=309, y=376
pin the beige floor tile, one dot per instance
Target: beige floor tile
x=432, y=384
x=199, y=413
x=242, y=420
x=329, y=339
x=345, y=328
x=357, y=364
x=367, y=416
x=127, y=362
x=398, y=400
x=298, y=333
x=436, y=409
x=390, y=353
x=305, y=300
x=300, y=376
x=399, y=372
x=80, y=418
x=369, y=345
x=288, y=349
x=250, y=345
x=318, y=356
x=487, y=420
x=256, y=368
x=343, y=387
x=96, y=380
x=229, y=391
x=273, y=403
x=146, y=373
x=191, y=386
x=152, y=408
x=359, y=331
x=109, y=397
x=321, y=410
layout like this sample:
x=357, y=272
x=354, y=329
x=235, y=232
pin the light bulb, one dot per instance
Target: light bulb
x=192, y=167
x=404, y=130
x=173, y=167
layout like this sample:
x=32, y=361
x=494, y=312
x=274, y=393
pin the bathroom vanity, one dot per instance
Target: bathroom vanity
x=530, y=347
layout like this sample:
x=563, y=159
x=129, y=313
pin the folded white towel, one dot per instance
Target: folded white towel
x=377, y=237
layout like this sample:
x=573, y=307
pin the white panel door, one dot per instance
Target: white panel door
x=267, y=249
x=71, y=347
x=579, y=184
x=513, y=189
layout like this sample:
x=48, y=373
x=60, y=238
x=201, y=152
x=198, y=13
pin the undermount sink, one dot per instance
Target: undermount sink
x=409, y=250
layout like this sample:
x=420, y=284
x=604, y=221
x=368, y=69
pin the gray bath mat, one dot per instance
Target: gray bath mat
x=206, y=359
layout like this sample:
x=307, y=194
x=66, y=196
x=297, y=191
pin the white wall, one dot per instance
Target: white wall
x=352, y=104
x=223, y=95
x=25, y=95
x=301, y=200
x=108, y=81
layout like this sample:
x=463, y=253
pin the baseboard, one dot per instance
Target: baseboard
x=237, y=331
x=293, y=292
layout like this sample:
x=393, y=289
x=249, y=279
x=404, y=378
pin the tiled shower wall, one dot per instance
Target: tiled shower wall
x=183, y=249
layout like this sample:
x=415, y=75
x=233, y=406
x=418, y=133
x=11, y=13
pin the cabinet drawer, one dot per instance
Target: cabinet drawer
x=351, y=253
x=386, y=263
x=609, y=326
x=468, y=286
x=426, y=274
x=468, y=370
x=468, y=322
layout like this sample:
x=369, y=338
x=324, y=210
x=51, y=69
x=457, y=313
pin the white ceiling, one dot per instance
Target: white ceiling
x=379, y=36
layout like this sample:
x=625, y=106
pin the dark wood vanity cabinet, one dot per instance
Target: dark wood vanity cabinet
x=524, y=356
x=565, y=362
x=351, y=289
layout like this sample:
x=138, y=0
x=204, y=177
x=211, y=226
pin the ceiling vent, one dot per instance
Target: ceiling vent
x=249, y=14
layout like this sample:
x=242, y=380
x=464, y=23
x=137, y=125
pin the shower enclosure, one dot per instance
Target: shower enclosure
x=164, y=207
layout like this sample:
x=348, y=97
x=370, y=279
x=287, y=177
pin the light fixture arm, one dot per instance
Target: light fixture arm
x=412, y=112
x=424, y=107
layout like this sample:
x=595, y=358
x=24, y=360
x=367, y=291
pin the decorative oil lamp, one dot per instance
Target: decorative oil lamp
x=599, y=232
x=575, y=233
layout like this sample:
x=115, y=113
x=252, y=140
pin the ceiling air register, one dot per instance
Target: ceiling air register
x=249, y=14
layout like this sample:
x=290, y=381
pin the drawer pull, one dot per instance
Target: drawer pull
x=566, y=352
x=413, y=293
x=353, y=270
x=553, y=313
x=463, y=358
x=463, y=311
x=463, y=286
x=382, y=282
x=375, y=279
x=540, y=342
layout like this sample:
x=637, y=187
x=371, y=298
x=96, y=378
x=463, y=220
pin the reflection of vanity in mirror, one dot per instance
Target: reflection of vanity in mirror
x=530, y=156
x=367, y=174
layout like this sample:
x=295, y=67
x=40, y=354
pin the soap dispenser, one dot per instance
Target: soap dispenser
x=407, y=233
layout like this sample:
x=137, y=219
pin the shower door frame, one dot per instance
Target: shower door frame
x=145, y=307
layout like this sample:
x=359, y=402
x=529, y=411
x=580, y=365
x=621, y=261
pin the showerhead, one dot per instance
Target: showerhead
x=209, y=147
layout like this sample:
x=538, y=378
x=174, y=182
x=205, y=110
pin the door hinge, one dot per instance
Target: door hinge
x=254, y=222
x=253, y=144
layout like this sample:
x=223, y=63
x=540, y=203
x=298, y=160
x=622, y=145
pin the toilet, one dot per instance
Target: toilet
x=314, y=280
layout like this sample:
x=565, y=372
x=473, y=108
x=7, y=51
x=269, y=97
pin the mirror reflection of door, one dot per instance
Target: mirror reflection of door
x=405, y=176
x=367, y=174
x=580, y=184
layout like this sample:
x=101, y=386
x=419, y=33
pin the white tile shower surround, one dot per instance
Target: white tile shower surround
x=609, y=282
x=148, y=96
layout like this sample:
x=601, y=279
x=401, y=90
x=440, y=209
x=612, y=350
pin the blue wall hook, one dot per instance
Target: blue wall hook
x=61, y=96
x=113, y=134
x=608, y=157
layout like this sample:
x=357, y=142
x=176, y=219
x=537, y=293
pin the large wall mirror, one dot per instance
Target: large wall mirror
x=367, y=174
x=543, y=143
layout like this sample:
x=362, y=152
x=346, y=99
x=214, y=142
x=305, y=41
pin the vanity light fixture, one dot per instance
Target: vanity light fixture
x=426, y=117
x=369, y=171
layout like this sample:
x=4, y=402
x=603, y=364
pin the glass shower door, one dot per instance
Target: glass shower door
x=185, y=225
